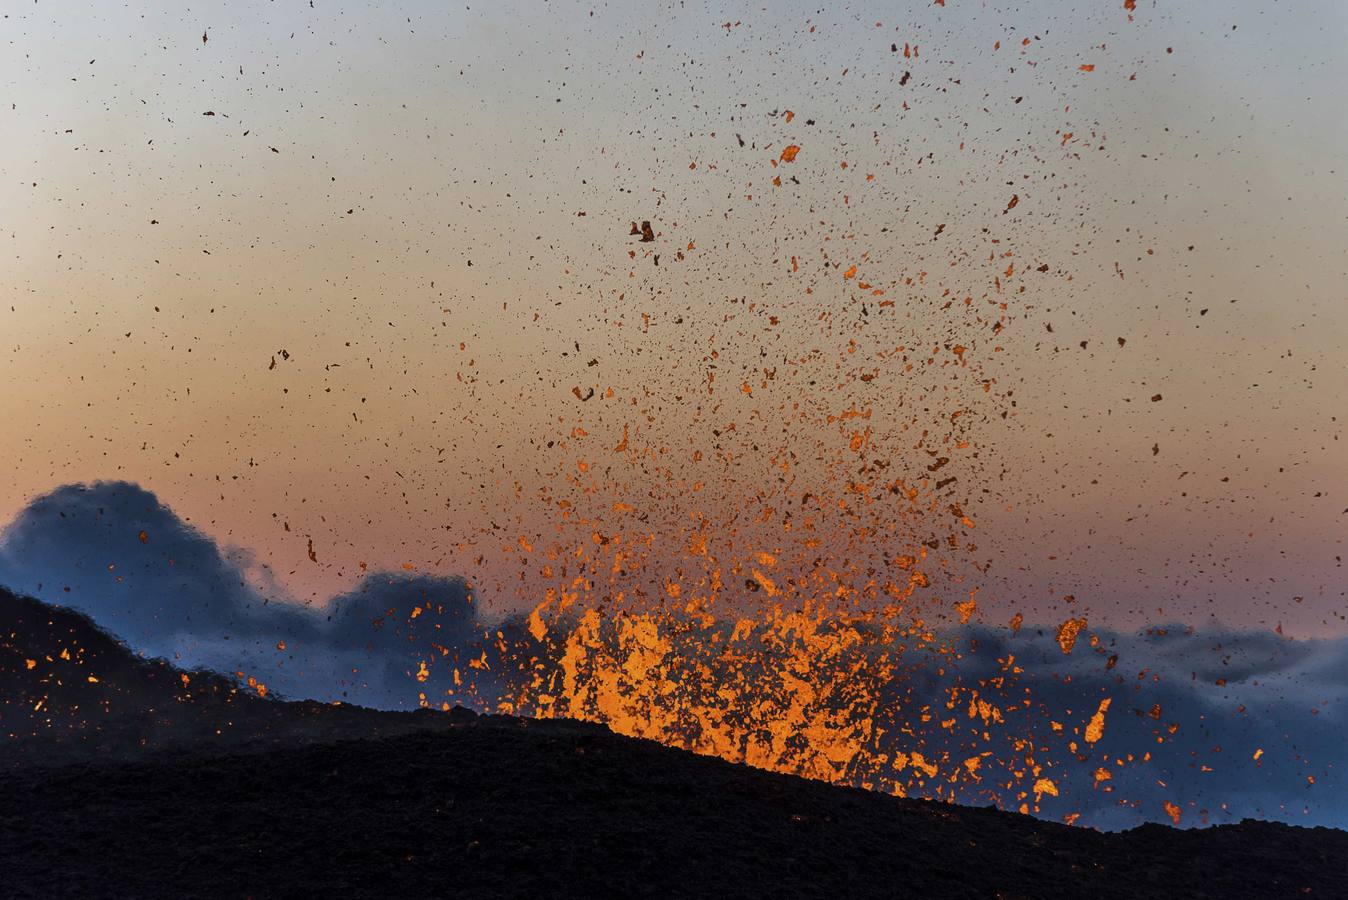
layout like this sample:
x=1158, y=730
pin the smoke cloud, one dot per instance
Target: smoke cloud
x=113, y=551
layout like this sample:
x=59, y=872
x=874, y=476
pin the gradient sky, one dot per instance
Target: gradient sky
x=391, y=194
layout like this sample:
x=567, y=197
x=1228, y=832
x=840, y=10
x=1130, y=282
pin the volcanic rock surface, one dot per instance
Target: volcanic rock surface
x=120, y=778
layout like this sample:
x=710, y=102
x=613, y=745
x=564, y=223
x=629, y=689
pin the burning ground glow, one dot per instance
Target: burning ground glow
x=781, y=634
x=826, y=392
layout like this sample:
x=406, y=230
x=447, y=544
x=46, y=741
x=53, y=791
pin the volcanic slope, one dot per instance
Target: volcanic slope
x=130, y=781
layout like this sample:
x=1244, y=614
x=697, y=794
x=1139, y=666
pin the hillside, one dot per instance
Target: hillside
x=213, y=791
x=68, y=690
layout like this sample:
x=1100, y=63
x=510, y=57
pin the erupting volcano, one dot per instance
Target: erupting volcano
x=908, y=428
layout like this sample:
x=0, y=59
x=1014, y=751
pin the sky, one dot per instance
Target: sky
x=336, y=280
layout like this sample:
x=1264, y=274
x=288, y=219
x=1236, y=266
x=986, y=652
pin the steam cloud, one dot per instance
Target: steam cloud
x=113, y=551
x=1232, y=723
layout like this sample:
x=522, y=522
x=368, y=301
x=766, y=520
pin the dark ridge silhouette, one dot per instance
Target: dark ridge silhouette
x=66, y=679
x=141, y=783
x=69, y=690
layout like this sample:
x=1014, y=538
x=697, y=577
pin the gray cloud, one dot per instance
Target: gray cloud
x=173, y=593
